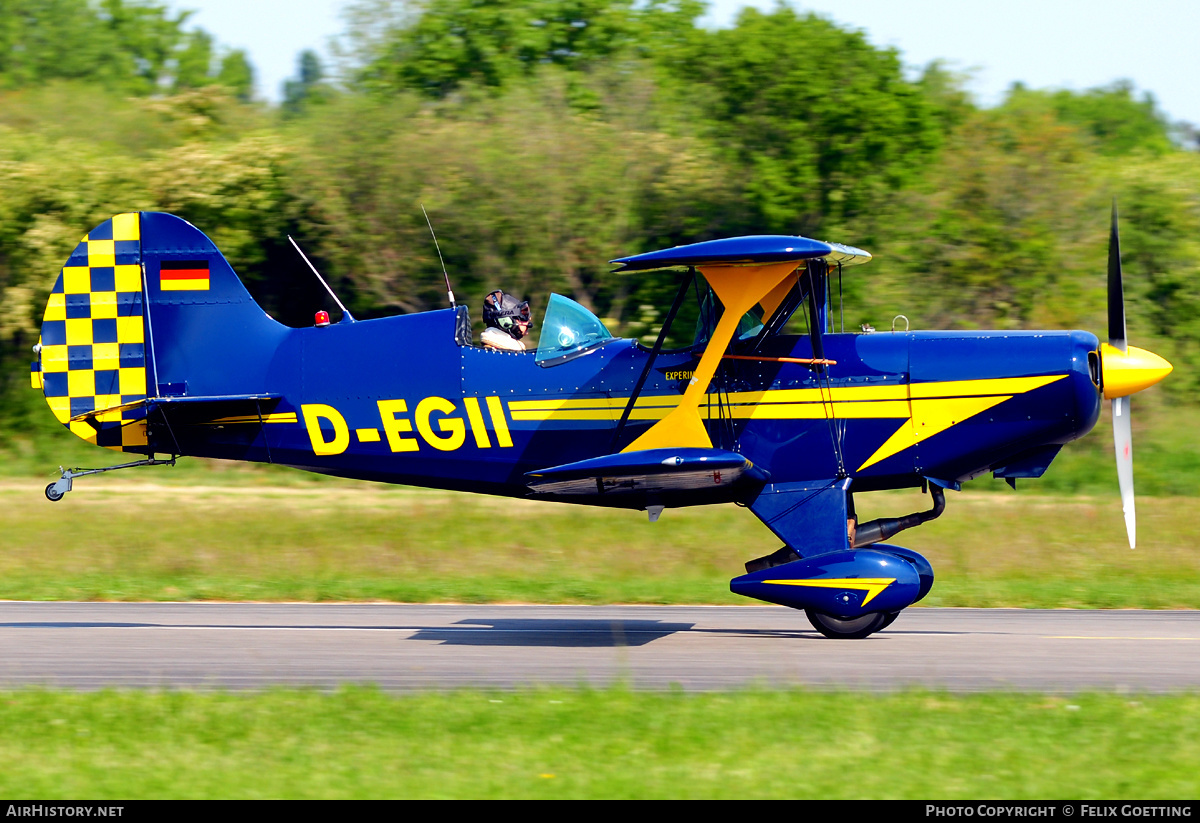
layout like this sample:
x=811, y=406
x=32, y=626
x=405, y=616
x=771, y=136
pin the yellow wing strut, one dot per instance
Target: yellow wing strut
x=739, y=288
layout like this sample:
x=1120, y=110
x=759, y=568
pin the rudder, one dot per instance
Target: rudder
x=91, y=352
x=146, y=307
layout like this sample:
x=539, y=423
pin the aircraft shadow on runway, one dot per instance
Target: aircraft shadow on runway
x=527, y=632
x=592, y=633
x=551, y=632
x=474, y=632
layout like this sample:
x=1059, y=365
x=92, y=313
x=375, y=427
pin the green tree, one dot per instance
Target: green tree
x=1117, y=121
x=122, y=45
x=821, y=121
x=237, y=75
x=131, y=46
x=197, y=66
x=194, y=63
x=525, y=193
x=1005, y=231
x=1159, y=203
x=443, y=45
x=298, y=92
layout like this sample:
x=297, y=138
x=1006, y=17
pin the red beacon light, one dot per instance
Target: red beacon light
x=322, y=319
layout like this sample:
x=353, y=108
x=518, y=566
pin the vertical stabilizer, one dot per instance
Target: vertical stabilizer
x=207, y=334
x=146, y=307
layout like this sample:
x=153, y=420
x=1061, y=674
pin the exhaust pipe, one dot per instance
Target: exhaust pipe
x=879, y=530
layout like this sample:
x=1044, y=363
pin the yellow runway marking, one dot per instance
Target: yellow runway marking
x=1106, y=637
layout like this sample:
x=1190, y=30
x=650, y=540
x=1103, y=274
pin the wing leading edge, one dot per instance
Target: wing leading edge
x=752, y=250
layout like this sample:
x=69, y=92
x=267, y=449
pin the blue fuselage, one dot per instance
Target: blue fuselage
x=399, y=400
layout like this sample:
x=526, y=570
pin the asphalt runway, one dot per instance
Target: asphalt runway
x=406, y=647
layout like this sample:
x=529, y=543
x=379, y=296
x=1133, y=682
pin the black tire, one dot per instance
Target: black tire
x=53, y=495
x=888, y=620
x=846, y=628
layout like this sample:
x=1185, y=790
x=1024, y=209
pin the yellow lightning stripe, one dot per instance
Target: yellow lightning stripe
x=937, y=407
x=848, y=402
x=563, y=403
x=600, y=408
x=814, y=410
x=781, y=404
x=927, y=409
x=975, y=388
x=892, y=391
x=931, y=417
x=871, y=585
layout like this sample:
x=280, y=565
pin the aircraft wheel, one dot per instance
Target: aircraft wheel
x=888, y=620
x=53, y=494
x=847, y=628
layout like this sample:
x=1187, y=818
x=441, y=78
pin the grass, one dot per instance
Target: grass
x=217, y=531
x=341, y=541
x=359, y=743
x=334, y=540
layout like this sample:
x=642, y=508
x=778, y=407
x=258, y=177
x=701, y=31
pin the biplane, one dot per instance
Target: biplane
x=152, y=345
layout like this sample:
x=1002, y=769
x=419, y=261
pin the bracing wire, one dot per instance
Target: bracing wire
x=841, y=301
x=296, y=246
x=825, y=388
x=725, y=422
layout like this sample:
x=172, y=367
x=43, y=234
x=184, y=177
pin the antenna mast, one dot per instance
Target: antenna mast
x=449, y=291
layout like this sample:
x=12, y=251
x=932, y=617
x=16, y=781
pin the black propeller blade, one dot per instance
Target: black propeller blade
x=1116, y=292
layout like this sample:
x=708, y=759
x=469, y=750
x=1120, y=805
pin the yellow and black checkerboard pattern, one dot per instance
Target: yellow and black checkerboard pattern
x=93, y=353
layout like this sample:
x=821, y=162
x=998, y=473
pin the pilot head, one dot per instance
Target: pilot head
x=505, y=312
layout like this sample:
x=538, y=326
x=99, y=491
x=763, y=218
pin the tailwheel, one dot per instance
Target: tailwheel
x=848, y=628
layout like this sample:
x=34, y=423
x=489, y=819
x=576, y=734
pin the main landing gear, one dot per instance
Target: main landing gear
x=848, y=591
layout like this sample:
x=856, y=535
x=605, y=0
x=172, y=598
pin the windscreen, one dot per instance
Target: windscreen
x=568, y=331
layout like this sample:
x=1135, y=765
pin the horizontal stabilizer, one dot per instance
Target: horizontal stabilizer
x=221, y=409
x=648, y=470
x=744, y=251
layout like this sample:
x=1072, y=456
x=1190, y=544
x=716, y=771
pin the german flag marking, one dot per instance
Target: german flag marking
x=183, y=275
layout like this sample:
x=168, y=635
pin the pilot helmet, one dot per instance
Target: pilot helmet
x=502, y=311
